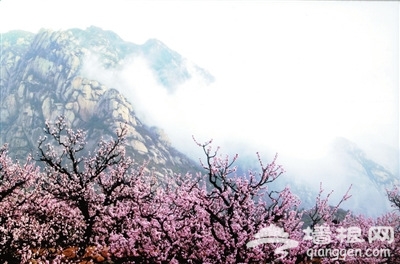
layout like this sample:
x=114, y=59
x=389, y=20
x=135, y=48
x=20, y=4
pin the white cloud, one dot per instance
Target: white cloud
x=290, y=76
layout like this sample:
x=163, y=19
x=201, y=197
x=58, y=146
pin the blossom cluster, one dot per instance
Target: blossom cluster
x=69, y=204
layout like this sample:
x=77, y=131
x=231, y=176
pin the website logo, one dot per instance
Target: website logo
x=274, y=234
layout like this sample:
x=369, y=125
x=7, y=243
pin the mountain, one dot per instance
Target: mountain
x=345, y=164
x=54, y=73
x=42, y=77
x=369, y=178
x=170, y=68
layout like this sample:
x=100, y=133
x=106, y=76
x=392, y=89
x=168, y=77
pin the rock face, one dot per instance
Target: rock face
x=41, y=79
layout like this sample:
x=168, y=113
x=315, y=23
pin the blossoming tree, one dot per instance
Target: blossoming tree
x=77, y=205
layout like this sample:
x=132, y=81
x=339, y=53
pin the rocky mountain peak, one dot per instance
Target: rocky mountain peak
x=43, y=80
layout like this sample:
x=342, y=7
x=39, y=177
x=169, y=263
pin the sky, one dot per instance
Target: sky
x=290, y=76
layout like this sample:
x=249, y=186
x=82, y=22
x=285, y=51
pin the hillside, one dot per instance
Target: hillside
x=42, y=77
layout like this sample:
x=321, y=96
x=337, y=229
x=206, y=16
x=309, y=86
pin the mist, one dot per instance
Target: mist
x=288, y=80
x=246, y=118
